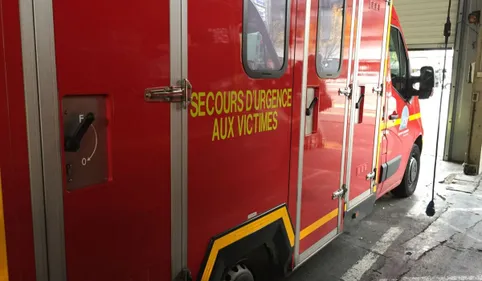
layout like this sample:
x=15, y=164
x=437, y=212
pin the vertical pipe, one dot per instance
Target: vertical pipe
x=345, y=118
x=48, y=103
x=184, y=134
x=304, y=84
x=34, y=141
x=353, y=100
x=381, y=82
x=178, y=141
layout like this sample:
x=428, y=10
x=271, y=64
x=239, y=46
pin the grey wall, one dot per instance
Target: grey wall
x=461, y=93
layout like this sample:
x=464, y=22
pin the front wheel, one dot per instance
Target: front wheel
x=410, y=178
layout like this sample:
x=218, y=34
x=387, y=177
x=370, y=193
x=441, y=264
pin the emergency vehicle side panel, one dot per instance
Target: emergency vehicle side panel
x=395, y=144
x=117, y=228
x=322, y=146
x=322, y=158
x=370, y=60
x=414, y=122
x=16, y=237
x=391, y=145
x=297, y=46
x=242, y=139
x=364, y=204
x=402, y=132
x=239, y=127
x=4, y=143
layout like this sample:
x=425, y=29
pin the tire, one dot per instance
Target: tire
x=238, y=272
x=410, y=177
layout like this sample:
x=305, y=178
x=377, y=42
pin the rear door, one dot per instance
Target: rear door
x=106, y=138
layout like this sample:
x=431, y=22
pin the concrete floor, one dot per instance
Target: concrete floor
x=399, y=242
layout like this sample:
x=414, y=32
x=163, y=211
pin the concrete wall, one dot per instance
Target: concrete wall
x=459, y=113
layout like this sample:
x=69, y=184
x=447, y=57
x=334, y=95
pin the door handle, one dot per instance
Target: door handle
x=393, y=116
x=179, y=93
x=312, y=105
x=339, y=193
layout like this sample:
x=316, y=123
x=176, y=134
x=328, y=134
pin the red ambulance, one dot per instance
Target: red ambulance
x=197, y=140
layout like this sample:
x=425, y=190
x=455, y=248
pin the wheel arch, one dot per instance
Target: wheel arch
x=419, y=142
x=272, y=229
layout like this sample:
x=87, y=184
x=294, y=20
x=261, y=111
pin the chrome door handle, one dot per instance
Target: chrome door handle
x=177, y=94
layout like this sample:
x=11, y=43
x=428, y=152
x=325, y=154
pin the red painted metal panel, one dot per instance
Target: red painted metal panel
x=399, y=141
x=299, y=27
x=119, y=230
x=322, y=165
x=233, y=172
x=13, y=148
x=370, y=60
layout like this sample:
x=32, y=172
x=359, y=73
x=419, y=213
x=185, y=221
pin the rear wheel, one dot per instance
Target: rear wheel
x=410, y=178
x=238, y=272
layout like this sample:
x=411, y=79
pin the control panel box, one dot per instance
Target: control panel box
x=85, y=140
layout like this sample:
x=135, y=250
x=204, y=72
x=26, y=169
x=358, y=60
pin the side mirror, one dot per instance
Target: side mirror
x=425, y=81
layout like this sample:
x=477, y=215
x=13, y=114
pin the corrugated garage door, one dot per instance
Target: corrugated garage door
x=423, y=22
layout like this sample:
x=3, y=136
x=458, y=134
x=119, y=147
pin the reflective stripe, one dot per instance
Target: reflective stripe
x=393, y=123
x=3, y=242
x=239, y=233
x=319, y=223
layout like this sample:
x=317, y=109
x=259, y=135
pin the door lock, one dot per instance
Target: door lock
x=378, y=90
x=340, y=192
x=345, y=91
x=178, y=94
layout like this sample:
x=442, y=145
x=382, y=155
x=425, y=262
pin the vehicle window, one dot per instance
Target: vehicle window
x=398, y=62
x=330, y=37
x=264, y=37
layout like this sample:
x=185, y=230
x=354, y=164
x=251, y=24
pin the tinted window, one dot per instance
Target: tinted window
x=264, y=36
x=398, y=62
x=330, y=37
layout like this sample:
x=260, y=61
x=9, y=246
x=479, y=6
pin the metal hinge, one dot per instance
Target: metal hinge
x=378, y=90
x=184, y=275
x=340, y=192
x=178, y=94
x=372, y=175
x=345, y=91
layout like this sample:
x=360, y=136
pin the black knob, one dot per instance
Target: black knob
x=72, y=143
x=312, y=105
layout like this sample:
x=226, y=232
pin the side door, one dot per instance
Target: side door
x=365, y=110
x=241, y=67
x=106, y=136
x=325, y=114
x=396, y=131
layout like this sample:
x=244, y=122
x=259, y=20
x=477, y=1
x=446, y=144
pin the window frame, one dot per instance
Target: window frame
x=265, y=74
x=336, y=74
x=403, y=48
